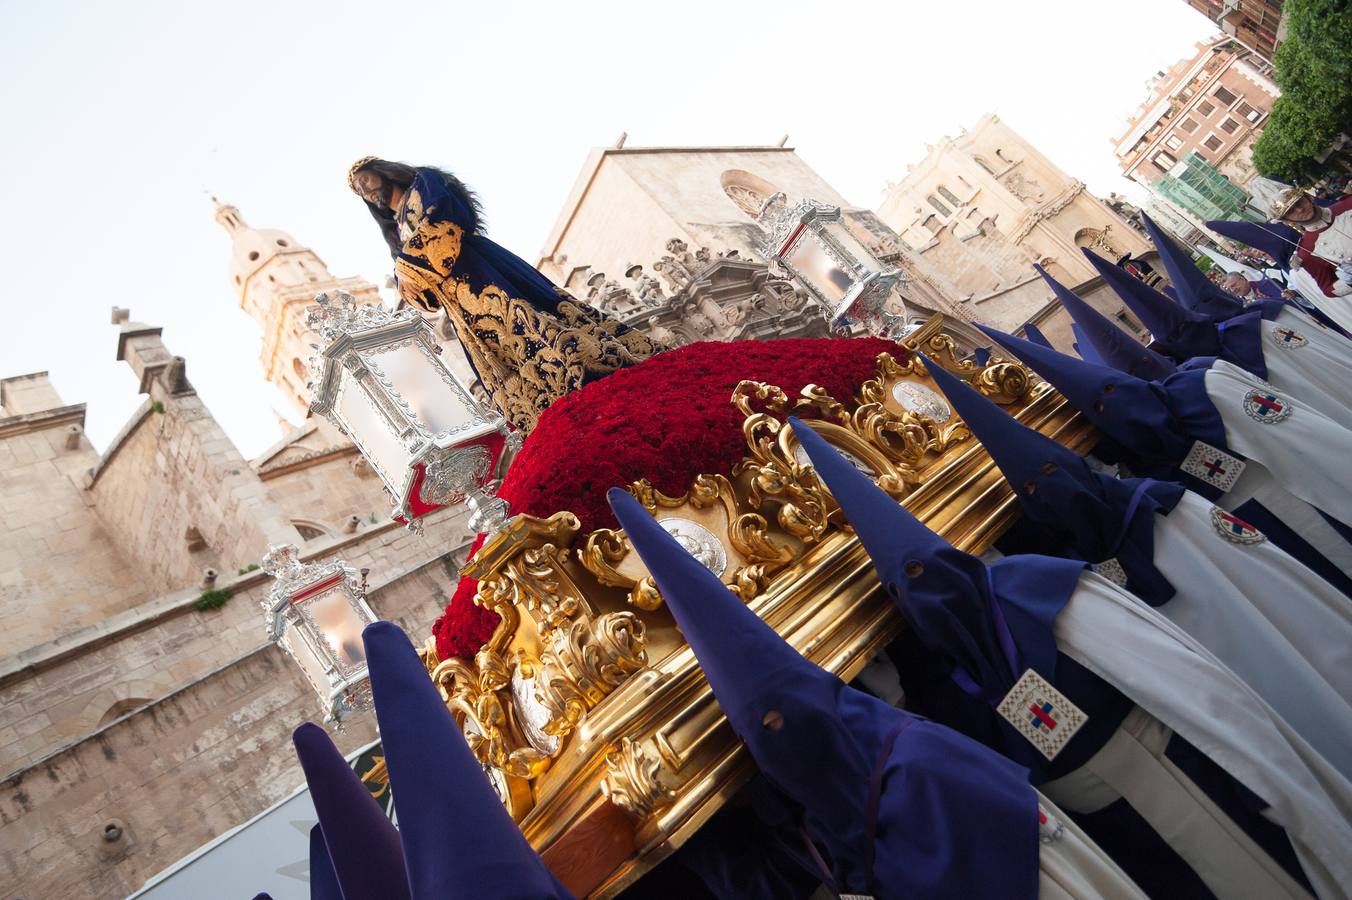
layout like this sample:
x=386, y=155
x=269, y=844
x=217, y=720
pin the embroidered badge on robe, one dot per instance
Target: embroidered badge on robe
x=1049, y=827
x=1233, y=528
x=1266, y=406
x=1041, y=713
x=1112, y=570
x=1289, y=338
x=1216, y=467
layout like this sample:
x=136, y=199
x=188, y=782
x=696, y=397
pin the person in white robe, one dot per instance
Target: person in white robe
x=1278, y=625
x=1032, y=643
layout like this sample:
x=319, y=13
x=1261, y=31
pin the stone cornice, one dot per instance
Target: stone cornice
x=23, y=423
x=119, y=440
x=181, y=602
x=310, y=458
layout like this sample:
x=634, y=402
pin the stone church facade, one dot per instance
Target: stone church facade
x=985, y=206
x=134, y=726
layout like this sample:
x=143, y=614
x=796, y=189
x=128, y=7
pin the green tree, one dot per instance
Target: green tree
x=1314, y=71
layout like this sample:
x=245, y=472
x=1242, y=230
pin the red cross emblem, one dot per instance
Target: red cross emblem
x=1289, y=338
x=1042, y=714
x=1235, y=529
x=1266, y=407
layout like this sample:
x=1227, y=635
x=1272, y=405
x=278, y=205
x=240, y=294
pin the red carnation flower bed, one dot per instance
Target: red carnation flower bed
x=667, y=420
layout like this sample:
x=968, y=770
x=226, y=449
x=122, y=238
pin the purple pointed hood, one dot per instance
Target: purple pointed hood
x=1098, y=517
x=363, y=846
x=1111, y=345
x=1194, y=289
x=458, y=838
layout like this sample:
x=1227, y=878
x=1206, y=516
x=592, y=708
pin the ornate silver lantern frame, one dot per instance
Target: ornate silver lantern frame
x=316, y=613
x=380, y=380
x=809, y=242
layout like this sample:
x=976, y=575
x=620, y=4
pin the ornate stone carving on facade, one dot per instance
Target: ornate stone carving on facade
x=1026, y=189
x=648, y=289
x=1048, y=210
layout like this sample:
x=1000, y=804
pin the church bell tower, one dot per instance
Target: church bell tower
x=276, y=278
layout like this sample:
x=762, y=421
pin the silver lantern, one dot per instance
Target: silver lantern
x=809, y=241
x=381, y=380
x=317, y=612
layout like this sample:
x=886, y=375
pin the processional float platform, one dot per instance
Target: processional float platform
x=586, y=707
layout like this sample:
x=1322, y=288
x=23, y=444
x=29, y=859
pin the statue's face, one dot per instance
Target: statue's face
x=372, y=188
x=1304, y=210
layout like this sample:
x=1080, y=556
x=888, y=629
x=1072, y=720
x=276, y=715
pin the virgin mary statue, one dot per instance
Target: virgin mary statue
x=529, y=342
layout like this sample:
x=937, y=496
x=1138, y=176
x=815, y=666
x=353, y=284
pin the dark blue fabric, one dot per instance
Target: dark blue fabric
x=979, y=834
x=1194, y=290
x=1098, y=516
x=1035, y=334
x=1276, y=240
x=1111, y=345
x=740, y=856
x=1147, y=858
x=323, y=881
x=982, y=355
x=1085, y=347
x=1277, y=531
x=1133, y=412
x=363, y=847
x=458, y=839
x=1267, y=289
x=1181, y=332
x=1241, y=805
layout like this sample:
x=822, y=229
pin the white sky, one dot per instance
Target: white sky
x=117, y=116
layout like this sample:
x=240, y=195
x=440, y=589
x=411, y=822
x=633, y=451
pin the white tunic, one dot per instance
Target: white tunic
x=1071, y=866
x=1278, y=625
x=1257, y=483
x=1339, y=309
x=1308, y=453
x=1182, y=687
x=1314, y=365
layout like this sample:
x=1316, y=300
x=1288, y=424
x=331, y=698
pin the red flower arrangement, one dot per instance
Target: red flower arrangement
x=668, y=419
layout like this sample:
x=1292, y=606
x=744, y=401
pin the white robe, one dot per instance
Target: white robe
x=1308, y=453
x=1257, y=483
x=1278, y=625
x=1339, y=309
x=1181, y=687
x=1319, y=372
x=1072, y=867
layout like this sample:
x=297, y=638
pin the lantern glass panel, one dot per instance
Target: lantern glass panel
x=425, y=384
x=336, y=621
x=315, y=668
x=809, y=259
x=372, y=431
x=853, y=246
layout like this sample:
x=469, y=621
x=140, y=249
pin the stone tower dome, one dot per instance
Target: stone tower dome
x=276, y=277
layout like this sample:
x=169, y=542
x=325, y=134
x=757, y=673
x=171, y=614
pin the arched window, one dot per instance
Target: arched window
x=933, y=224
x=981, y=161
x=934, y=202
x=948, y=195
x=747, y=191
x=309, y=530
x=121, y=708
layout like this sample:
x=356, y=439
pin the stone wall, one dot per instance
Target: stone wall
x=59, y=568
x=59, y=692
x=177, y=496
x=182, y=770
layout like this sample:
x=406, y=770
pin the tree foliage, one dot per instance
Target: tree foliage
x=1314, y=71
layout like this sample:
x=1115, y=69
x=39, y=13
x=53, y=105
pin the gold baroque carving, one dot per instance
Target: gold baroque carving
x=633, y=780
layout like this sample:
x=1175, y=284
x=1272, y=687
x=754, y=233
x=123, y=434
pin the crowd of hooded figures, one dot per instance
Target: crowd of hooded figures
x=1156, y=703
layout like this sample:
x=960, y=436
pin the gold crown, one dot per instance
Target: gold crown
x=356, y=167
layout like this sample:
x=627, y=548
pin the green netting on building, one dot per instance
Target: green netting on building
x=1197, y=186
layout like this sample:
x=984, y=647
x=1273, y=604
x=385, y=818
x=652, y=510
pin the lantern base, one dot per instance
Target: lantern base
x=489, y=513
